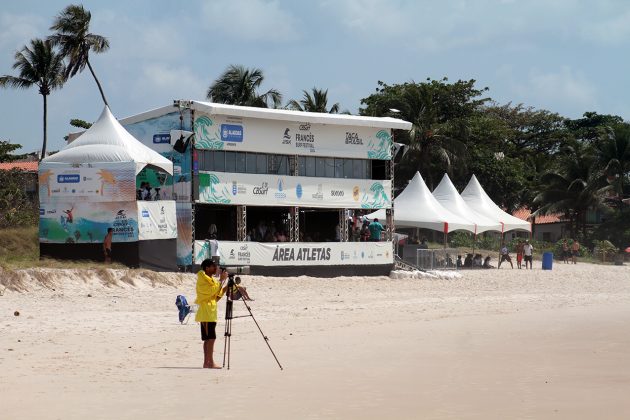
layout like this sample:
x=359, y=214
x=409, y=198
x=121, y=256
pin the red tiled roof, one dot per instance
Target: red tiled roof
x=525, y=214
x=22, y=166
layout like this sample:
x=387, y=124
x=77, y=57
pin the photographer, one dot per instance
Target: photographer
x=209, y=291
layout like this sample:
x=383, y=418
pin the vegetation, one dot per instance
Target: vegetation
x=315, y=102
x=75, y=41
x=239, y=85
x=38, y=65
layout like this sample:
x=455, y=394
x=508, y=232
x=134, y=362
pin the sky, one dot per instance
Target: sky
x=568, y=56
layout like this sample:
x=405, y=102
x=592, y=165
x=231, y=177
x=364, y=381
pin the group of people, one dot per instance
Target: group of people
x=476, y=261
x=146, y=193
x=571, y=252
x=524, y=252
x=266, y=232
x=364, y=230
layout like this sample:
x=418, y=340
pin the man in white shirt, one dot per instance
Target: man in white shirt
x=528, y=251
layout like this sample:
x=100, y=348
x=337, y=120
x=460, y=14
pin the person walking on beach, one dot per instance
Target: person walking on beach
x=519, y=254
x=565, y=251
x=528, y=254
x=107, y=246
x=209, y=291
x=575, y=251
x=505, y=256
x=375, y=230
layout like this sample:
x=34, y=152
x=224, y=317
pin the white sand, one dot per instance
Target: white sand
x=496, y=344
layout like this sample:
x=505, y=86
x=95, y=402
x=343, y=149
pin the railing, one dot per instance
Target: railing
x=435, y=259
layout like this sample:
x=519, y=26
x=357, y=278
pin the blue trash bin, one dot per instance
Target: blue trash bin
x=547, y=260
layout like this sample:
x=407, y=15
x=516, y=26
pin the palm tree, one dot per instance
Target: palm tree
x=75, y=41
x=239, y=86
x=41, y=66
x=317, y=102
x=613, y=156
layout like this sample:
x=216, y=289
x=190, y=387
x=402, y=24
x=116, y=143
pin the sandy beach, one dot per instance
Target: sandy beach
x=494, y=344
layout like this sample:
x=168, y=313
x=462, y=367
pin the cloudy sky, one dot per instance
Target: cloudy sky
x=562, y=55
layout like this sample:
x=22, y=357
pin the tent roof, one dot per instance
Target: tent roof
x=108, y=141
x=275, y=114
x=477, y=199
x=417, y=207
x=447, y=195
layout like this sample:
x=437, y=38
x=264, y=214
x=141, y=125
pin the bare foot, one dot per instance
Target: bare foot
x=214, y=366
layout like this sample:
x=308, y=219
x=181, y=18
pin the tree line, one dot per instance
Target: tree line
x=524, y=157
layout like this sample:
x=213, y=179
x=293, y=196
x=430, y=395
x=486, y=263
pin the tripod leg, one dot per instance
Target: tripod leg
x=263, y=335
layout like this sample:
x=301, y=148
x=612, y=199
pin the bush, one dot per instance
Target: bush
x=605, y=250
x=16, y=207
x=460, y=240
x=557, y=249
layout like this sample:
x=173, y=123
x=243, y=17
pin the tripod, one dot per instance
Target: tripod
x=228, y=321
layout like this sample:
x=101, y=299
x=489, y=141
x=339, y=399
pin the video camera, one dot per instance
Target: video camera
x=232, y=280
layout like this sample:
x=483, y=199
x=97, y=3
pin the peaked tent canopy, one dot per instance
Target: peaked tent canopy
x=449, y=198
x=108, y=141
x=477, y=199
x=416, y=207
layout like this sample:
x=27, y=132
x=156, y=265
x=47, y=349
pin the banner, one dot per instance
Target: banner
x=298, y=253
x=99, y=182
x=84, y=222
x=219, y=132
x=274, y=190
x=156, y=220
x=184, y=234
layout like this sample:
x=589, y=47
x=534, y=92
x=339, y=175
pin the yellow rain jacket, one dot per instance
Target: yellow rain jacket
x=208, y=293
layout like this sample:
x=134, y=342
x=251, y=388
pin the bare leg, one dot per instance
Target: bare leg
x=208, y=350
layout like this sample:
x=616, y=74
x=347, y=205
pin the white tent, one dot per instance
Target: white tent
x=477, y=199
x=108, y=141
x=447, y=195
x=416, y=207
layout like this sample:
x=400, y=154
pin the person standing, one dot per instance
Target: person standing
x=107, y=245
x=375, y=230
x=519, y=254
x=575, y=251
x=209, y=291
x=565, y=251
x=505, y=256
x=528, y=254
x=213, y=245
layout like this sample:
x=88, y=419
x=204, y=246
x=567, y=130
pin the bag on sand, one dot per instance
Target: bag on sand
x=183, y=307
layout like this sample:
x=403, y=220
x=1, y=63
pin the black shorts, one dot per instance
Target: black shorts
x=505, y=257
x=527, y=258
x=208, y=331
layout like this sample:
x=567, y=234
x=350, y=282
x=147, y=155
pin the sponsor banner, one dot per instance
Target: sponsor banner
x=219, y=132
x=184, y=234
x=274, y=190
x=102, y=182
x=85, y=222
x=298, y=253
x=156, y=220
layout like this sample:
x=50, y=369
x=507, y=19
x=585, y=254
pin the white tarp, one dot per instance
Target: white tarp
x=156, y=220
x=447, y=195
x=108, y=141
x=298, y=253
x=478, y=200
x=416, y=207
x=274, y=190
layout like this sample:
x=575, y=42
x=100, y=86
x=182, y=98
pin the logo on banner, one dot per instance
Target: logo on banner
x=356, y=193
x=68, y=178
x=234, y=188
x=145, y=213
x=122, y=227
x=337, y=193
x=42, y=211
x=286, y=139
x=232, y=256
x=305, y=139
x=298, y=191
x=345, y=255
x=232, y=133
x=353, y=138
x=162, y=210
x=280, y=194
x=261, y=190
x=319, y=195
x=161, y=138
x=243, y=254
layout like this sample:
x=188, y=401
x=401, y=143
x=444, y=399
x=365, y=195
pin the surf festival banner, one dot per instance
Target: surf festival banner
x=274, y=190
x=102, y=182
x=219, y=132
x=298, y=253
x=156, y=220
x=87, y=222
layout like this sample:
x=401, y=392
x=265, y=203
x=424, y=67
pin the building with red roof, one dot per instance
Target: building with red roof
x=547, y=228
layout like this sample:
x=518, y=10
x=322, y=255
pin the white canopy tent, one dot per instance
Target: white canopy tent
x=449, y=198
x=479, y=201
x=107, y=141
x=416, y=207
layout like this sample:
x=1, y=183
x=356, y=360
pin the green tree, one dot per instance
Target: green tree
x=613, y=156
x=6, y=151
x=75, y=41
x=41, y=66
x=439, y=112
x=239, y=86
x=75, y=122
x=17, y=208
x=315, y=102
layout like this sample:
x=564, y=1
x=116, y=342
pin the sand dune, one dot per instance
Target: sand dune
x=491, y=344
